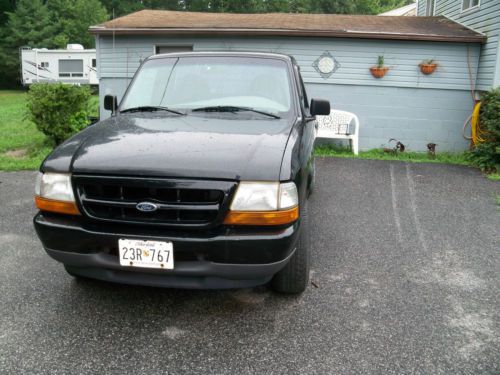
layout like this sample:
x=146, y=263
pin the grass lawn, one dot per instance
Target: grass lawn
x=379, y=154
x=22, y=146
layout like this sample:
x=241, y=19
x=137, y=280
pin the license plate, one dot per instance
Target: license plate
x=146, y=254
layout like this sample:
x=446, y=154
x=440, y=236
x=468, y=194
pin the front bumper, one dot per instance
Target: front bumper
x=224, y=258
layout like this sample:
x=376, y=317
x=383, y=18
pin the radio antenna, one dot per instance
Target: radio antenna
x=115, y=91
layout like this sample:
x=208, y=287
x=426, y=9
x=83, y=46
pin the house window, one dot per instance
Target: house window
x=429, y=7
x=468, y=4
x=70, y=68
x=94, y=63
x=168, y=49
x=44, y=64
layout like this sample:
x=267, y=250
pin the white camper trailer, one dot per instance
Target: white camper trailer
x=74, y=65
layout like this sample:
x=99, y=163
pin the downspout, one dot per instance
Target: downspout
x=496, y=74
x=480, y=48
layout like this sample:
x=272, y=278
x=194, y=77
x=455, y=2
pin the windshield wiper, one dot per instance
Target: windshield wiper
x=148, y=108
x=232, y=108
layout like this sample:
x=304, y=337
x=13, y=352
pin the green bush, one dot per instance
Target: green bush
x=486, y=155
x=59, y=110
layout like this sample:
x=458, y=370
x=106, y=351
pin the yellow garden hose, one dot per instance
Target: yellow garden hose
x=477, y=134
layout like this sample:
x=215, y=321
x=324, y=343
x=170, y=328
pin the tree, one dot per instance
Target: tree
x=30, y=24
x=6, y=6
x=256, y=6
x=122, y=7
x=72, y=18
x=52, y=25
x=299, y=6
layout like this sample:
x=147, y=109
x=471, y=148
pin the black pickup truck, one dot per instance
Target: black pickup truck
x=199, y=179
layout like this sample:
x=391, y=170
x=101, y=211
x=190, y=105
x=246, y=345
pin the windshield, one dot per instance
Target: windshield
x=201, y=82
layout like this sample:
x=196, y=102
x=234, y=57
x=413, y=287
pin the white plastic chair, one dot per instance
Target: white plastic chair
x=340, y=125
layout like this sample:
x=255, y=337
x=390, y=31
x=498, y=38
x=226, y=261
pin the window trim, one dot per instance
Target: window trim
x=470, y=9
x=172, y=45
x=65, y=74
x=433, y=8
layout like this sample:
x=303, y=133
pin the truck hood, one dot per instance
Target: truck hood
x=183, y=146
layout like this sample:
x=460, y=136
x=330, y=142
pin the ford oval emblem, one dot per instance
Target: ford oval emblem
x=146, y=207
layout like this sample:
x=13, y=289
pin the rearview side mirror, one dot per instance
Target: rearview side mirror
x=110, y=103
x=320, y=107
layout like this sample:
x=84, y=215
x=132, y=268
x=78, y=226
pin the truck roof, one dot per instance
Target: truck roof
x=267, y=55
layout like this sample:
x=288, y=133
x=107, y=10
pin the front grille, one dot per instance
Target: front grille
x=178, y=202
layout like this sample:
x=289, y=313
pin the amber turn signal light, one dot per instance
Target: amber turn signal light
x=262, y=217
x=60, y=207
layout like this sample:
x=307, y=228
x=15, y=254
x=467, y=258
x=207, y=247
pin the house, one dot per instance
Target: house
x=482, y=16
x=407, y=10
x=405, y=104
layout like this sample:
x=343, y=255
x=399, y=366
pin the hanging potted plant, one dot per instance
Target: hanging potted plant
x=380, y=70
x=428, y=66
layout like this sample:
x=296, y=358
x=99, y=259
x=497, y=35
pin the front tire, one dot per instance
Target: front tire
x=294, y=277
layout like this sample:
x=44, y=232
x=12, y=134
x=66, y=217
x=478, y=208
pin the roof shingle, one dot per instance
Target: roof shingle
x=285, y=24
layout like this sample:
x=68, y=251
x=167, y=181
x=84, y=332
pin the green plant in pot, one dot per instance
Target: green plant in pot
x=428, y=66
x=380, y=69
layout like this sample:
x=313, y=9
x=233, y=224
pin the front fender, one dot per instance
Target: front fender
x=298, y=155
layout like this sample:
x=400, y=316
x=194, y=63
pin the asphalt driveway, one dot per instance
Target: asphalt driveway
x=406, y=264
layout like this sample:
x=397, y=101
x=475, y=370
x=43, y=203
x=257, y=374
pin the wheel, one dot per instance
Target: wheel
x=294, y=277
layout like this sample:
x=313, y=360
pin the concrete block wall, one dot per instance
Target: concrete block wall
x=412, y=115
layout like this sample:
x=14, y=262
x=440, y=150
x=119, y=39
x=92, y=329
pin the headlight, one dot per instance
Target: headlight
x=54, y=186
x=256, y=196
x=54, y=193
x=264, y=203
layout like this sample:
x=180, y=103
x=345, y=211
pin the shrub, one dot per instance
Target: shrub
x=59, y=110
x=486, y=155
